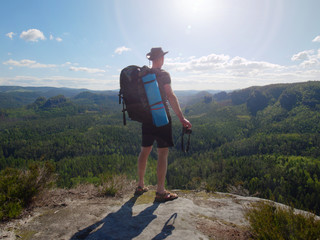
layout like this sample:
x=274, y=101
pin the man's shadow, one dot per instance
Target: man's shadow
x=167, y=228
x=120, y=224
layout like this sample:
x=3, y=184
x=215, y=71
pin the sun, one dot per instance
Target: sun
x=194, y=11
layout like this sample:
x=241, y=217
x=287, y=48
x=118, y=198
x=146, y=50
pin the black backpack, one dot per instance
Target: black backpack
x=132, y=94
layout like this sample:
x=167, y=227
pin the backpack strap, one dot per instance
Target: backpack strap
x=123, y=108
x=124, y=113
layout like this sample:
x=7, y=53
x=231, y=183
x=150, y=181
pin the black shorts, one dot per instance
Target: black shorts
x=162, y=135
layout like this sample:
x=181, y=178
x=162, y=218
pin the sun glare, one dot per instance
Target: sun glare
x=194, y=11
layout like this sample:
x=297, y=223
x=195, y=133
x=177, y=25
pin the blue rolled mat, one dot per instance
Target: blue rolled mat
x=158, y=111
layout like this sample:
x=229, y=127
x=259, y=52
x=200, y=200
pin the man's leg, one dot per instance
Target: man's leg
x=162, y=168
x=142, y=164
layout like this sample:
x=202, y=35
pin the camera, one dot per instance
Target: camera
x=186, y=130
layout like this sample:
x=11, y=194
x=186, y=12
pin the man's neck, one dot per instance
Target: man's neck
x=156, y=66
x=157, y=63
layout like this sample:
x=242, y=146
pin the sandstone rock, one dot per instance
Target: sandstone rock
x=194, y=215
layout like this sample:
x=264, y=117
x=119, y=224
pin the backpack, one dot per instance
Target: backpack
x=133, y=96
x=140, y=95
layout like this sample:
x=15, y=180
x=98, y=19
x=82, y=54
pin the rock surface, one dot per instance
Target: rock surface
x=194, y=215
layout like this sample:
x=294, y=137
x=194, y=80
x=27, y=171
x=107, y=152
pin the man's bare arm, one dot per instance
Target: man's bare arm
x=174, y=103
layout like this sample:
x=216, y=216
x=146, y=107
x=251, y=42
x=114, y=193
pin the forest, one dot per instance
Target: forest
x=259, y=141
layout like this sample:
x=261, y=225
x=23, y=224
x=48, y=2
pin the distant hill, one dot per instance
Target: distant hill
x=94, y=100
x=16, y=96
x=44, y=91
x=256, y=98
x=287, y=95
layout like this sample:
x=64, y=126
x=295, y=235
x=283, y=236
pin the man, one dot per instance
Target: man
x=162, y=135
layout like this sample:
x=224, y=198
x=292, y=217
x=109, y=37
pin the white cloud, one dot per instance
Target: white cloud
x=219, y=63
x=310, y=63
x=309, y=58
x=226, y=73
x=122, y=49
x=213, y=71
x=32, y=35
x=28, y=63
x=304, y=55
x=85, y=69
x=316, y=39
x=238, y=66
x=10, y=35
x=58, y=39
x=238, y=62
x=204, y=63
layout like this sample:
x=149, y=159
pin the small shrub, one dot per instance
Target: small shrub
x=194, y=183
x=110, y=190
x=210, y=188
x=111, y=185
x=270, y=222
x=18, y=188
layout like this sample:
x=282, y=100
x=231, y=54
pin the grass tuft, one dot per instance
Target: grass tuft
x=269, y=221
x=113, y=185
x=18, y=188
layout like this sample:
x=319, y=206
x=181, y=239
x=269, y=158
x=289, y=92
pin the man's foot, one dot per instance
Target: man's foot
x=166, y=196
x=140, y=190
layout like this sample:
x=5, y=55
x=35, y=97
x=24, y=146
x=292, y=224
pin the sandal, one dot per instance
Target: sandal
x=166, y=196
x=140, y=190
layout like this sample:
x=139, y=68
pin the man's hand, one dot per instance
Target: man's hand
x=185, y=122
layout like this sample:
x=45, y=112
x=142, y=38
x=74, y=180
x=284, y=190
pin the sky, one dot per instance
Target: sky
x=212, y=44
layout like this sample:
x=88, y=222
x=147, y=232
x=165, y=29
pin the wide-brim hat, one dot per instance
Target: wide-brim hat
x=156, y=53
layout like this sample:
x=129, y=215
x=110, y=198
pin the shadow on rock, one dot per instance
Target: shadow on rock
x=120, y=224
x=167, y=228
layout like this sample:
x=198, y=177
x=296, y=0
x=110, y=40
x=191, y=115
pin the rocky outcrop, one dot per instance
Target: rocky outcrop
x=194, y=215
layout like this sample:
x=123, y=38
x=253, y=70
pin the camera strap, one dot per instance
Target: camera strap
x=188, y=132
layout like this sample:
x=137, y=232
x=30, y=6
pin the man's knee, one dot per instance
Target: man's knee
x=163, y=152
x=145, y=150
